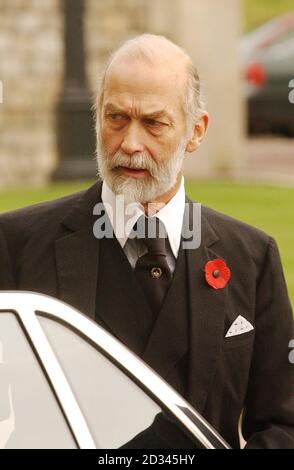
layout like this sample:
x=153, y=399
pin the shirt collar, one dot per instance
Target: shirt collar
x=123, y=219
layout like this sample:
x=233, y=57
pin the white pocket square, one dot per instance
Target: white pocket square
x=240, y=326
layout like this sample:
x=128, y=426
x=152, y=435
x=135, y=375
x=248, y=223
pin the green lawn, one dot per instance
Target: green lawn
x=267, y=207
x=257, y=12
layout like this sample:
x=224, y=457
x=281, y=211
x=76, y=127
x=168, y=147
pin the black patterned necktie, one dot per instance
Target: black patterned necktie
x=152, y=270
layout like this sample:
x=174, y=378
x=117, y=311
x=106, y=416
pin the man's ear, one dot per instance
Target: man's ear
x=198, y=132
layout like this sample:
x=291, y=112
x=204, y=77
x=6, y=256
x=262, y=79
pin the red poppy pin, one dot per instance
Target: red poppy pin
x=217, y=273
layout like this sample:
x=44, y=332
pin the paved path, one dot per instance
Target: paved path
x=270, y=159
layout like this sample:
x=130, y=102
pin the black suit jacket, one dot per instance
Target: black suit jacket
x=50, y=248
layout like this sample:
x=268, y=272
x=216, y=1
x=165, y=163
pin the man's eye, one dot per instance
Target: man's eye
x=153, y=123
x=116, y=117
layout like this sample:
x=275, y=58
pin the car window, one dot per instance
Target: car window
x=30, y=416
x=118, y=412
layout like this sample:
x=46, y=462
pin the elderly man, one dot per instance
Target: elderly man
x=213, y=318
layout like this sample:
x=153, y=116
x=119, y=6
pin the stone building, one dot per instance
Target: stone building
x=31, y=70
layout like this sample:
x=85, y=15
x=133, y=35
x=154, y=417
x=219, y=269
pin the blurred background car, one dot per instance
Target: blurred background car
x=268, y=66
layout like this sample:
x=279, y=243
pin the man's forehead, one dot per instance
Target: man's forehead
x=129, y=85
x=141, y=77
x=157, y=61
x=144, y=109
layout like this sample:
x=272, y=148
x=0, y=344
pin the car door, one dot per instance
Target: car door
x=67, y=383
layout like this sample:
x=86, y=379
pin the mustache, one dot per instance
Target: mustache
x=140, y=161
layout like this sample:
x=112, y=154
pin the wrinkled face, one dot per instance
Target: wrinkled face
x=141, y=143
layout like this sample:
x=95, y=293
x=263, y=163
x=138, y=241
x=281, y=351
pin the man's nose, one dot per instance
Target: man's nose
x=132, y=141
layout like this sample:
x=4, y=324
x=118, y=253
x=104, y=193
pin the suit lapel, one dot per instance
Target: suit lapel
x=77, y=252
x=77, y=258
x=207, y=317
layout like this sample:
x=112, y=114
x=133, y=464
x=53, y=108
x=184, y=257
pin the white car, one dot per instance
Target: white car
x=65, y=382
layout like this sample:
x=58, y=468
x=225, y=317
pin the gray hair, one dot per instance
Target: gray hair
x=152, y=49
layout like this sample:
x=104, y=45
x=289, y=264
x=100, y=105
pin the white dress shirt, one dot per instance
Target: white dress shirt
x=123, y=219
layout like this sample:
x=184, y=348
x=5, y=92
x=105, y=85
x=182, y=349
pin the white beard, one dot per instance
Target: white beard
x=161, y=178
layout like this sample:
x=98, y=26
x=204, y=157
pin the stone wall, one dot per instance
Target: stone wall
x=107, y=25
x=30, y=70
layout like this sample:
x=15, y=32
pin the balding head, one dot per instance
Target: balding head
x=162, y=55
